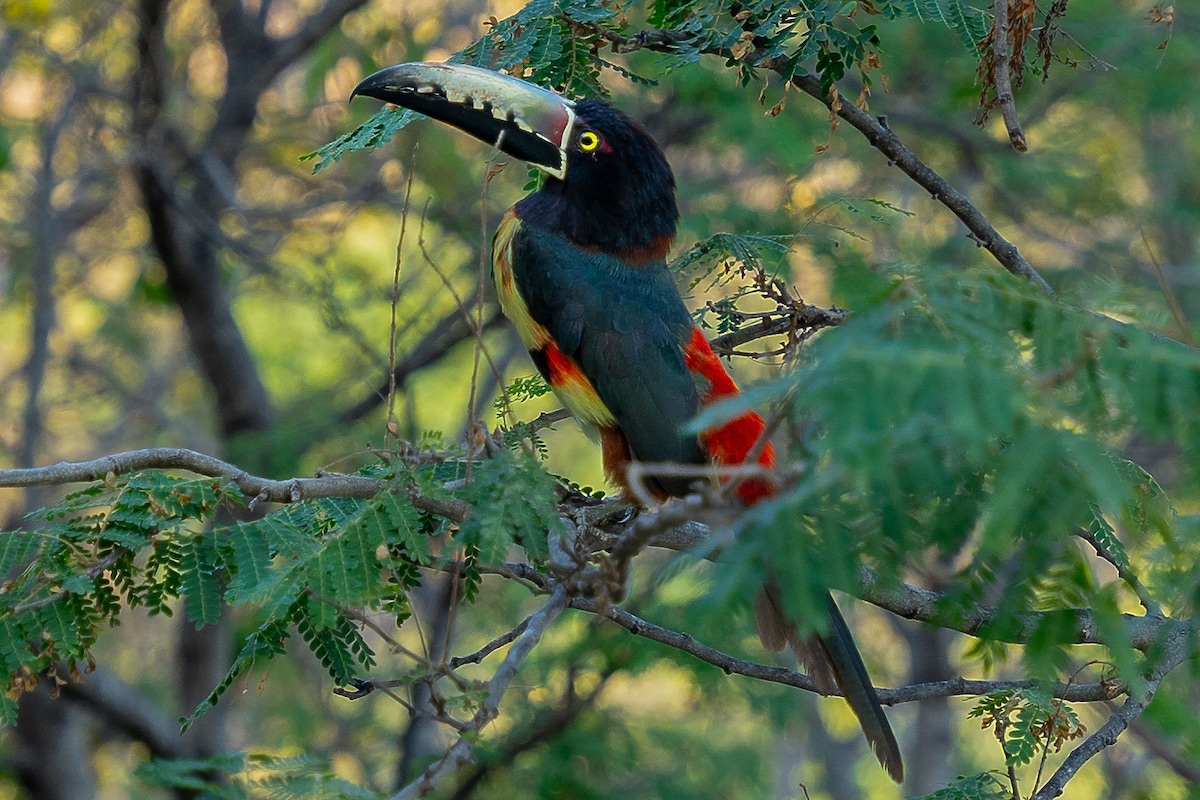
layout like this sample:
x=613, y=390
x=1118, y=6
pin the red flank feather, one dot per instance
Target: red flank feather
x=732, y=442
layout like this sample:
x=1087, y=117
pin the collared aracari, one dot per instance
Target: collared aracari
x=580, y=270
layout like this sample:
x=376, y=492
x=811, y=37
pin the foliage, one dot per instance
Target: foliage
x=964, y=414
x=1027, y=722
x=313, y=567
x=958, y=428
x=238, y=777
x=985, y=786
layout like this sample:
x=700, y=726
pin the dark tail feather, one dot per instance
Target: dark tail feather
x=832, y=661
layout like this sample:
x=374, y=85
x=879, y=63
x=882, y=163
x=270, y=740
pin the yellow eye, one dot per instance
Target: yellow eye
x=588, y=141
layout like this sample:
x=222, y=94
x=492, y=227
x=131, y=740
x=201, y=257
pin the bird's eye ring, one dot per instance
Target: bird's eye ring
x=588, y=141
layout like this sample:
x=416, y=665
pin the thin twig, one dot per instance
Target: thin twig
x=391, y=429
x=495, y=644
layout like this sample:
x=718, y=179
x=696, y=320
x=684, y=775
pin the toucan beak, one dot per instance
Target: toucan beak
x=523, y=120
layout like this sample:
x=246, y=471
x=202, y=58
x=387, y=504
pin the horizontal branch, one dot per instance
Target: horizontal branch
x=923, y=605
x=292, y=490
x=264, y=489
x=954, y=687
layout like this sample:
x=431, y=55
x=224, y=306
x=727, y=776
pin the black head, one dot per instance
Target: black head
x=618, y=193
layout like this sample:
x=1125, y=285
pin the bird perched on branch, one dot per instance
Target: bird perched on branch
x=580, y=270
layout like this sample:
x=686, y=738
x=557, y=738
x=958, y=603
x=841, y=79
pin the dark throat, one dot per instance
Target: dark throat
x=618, y=210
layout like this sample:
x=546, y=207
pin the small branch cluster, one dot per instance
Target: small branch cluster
x=792, y=318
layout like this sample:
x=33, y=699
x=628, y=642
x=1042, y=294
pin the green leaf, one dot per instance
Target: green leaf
x=513, y=502
x=984, y=786
x=16, y=550
x=251, y=561
x=377, y=130
x=262, y=645
x=200, y=566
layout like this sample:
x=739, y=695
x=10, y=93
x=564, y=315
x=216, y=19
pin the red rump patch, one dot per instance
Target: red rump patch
x=561, y=368
x=732, y=442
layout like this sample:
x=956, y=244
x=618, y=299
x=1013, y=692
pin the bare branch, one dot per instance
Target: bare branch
x=495, y=644
x=263, y=489
x=550, y=725
x=1002, y=77
x=885, y=141
x=460, y=753
x=1091, y=692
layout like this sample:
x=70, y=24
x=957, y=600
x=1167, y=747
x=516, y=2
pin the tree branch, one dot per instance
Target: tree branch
x=262, y=489
x=797, y=317
x=1175, y=649
x=730, y=665
x=877, y=134
x=885, y=141
x=131, y=712
x=460, y=753
x=1002, y=76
